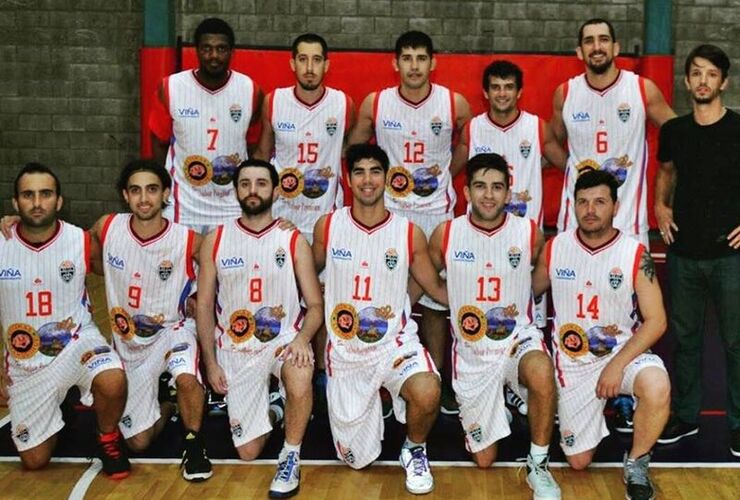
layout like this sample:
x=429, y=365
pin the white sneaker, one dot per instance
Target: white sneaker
x=419, y=480
x=541, y=481
x=287, y=480
x=513, y=400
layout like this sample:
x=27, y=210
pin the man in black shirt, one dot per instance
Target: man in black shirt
x=699, y=218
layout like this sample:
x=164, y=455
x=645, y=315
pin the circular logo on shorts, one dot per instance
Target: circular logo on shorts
x=399, y=182
x=197, y=170
x=344, y=321
x=23, y=341
x=573, y=340
x=122, y=323
x=472, y=323
x=241, y=326
x=291, y=182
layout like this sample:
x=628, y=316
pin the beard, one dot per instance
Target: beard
x=309, y=86
x=705, y=99
x=600, y=69
x=47, y=221
x=263, y=206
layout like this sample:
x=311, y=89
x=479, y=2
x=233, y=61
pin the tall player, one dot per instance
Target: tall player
x=199, y=129
x=488, y=255
x=367, y=253
x=602, y=114
x=252, y=275
x=51, y=343
x=305, y=125
x=608, y=313
x=149, y=273
x=415, y=123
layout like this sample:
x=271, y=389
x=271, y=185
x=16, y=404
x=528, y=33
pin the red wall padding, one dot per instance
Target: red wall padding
x=359, y=73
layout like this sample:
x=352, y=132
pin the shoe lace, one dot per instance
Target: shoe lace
x=285, y=467
x=637, y=472
x=541, y=472
x=419, y=461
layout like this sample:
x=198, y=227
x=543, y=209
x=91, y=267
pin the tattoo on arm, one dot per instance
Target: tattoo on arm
x=647, y=266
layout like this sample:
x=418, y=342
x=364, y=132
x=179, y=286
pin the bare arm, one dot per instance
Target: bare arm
x=319, y=245
x=658, y=111
x=96, y=233
x=423, y=270
x=459, y=155
x=553, y=150
x=159, y=145
x=556, y=122
x=266, y=143
x=363, y=129
x=650, y=302
x=540, y=276
x=665, y=183
x=462, y=112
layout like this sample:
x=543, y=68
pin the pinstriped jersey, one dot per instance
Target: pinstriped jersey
x=489, y=284
x=147, y=281
x=257, y=296
x=606, y=131
x=308, y=154
x=520, y=143
x=593, y=294
x=418, y=141
x=209, y=142
x=366, y=301
x=43, y=302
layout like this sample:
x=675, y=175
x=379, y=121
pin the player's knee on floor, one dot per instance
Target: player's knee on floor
x=485, y=458
x=139, y=442
x=580, y=461
x=251, y=450
x=35, y=459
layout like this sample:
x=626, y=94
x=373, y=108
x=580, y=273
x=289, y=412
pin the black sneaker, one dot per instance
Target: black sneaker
x=623, y=414
x=195, y=465
x=448, y=404
x=216, y=404
x=677, y=429
x=639, y=485
x=735, y=442
x=113, y=455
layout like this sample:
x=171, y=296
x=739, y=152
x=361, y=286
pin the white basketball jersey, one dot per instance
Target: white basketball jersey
x=366, y=301
x=147, y=282
x=308, y=154
x=489, y=284
x=209, y=142
x=606, y=131
x=257, y=297
x=43, y=302
x=418, y=141
x=520, y=143
x=593, y=296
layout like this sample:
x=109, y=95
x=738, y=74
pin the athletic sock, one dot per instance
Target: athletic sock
x=410, y=444
x=538, y=453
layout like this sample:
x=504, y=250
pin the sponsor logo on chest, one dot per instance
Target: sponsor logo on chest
x=188, y=112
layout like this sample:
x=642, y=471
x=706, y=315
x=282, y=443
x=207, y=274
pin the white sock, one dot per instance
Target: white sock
x=287, y=448
x=410, y=444
x=538, y=453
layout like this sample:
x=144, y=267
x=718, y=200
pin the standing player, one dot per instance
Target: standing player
x=51, y=343
x=367, y=253
x=415, y=123
x=305, y=126
x=149, y=273
x=248, y=273
x=602, y=283
x=488, y=255
x=602, y=114
x=199, y=129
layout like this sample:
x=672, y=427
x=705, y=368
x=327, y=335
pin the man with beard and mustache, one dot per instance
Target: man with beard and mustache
x=602, y=279
x=149, y=269
x=303, y=130
x=199, y=129
x=261, y=271
x=602, y=115
x=699, y=216
x=415, y=123
x=498, y=276
x=44, y=264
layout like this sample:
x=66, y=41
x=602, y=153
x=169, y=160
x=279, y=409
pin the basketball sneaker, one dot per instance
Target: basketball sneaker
x=735, y=442
x=540, y=479
x=623, y=414
x=419, y=480
x=639, y=485
x=113, y=455
x=677, y=429
x=277, y=408
x=287, y=480
x=195, y=465
x=513, y=400
x=448, y=404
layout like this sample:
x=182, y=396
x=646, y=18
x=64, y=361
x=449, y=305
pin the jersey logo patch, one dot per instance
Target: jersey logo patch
x=515, y=257
x=188, y=112
x=463, y=256
x=623, y=112
x=564, y=273
x=482, y=149
x=236, y=428
x=525, y=148
x=165, y=270
x=343, y=321
x=392, y=125
x=235, y=111
x=126, y=421
x=23, y=341
x=475, y=432
x=616, y=277
x=331, y=126
x=573, y=340
x=580, y=116
x=10, y=273
x=341, y=254
x=373, y=323
x=436, y=125
x=22, y=433
x=232, y=262
x=569, y=439
x=67, y=271
x=280, y=257
x=391, y=258
x=286, y=127
x=291, y=182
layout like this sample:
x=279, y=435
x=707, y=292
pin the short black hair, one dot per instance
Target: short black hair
x=252, y=162
x=593, y=178
x=503, y=69
x=711, y=53
x=365, y=151
x=36, y=168
x=415, y=40
x=214, y=26
x=596, y=20
x=142, y=165
x=310, y=38
x=487, y=161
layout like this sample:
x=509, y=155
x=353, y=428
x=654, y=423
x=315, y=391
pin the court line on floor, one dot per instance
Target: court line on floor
x=85, y=480
x=394, y=463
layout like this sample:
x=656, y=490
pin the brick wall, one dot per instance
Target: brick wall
x=69, y=89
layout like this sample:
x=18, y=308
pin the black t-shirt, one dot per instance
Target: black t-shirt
x=706, y=204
